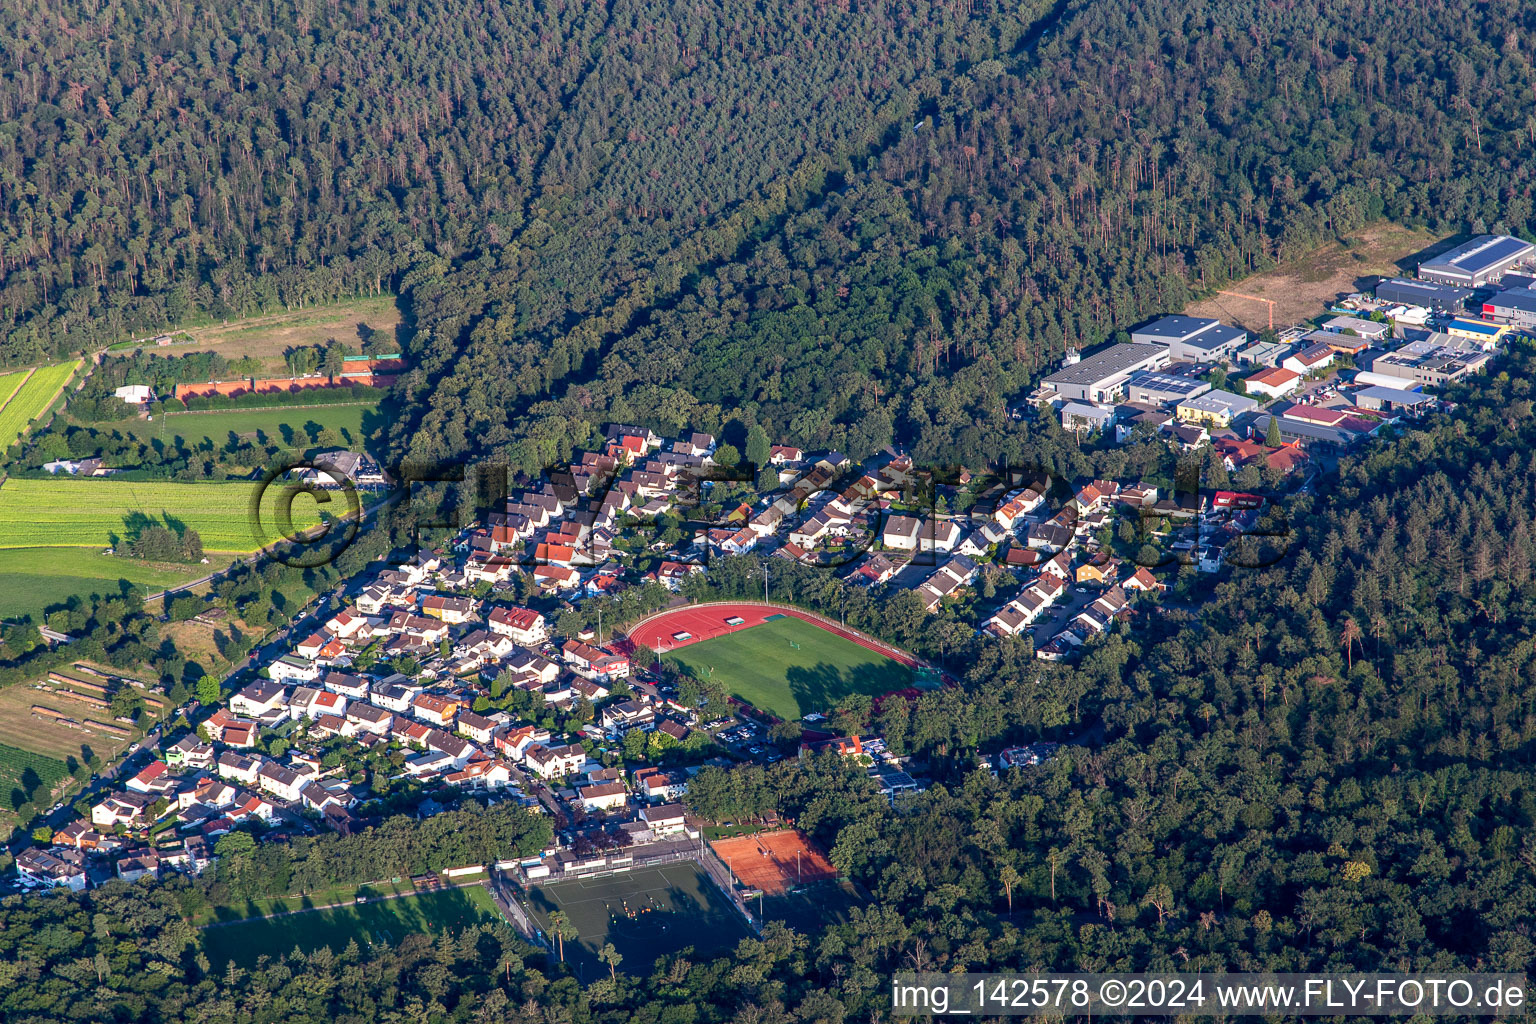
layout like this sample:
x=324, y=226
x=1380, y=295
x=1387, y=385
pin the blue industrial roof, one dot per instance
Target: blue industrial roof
x=1480, y=254
x=1473, y=327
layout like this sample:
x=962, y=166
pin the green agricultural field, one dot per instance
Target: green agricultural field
x=32, y=399
x=10, y=383
x=103, y=512
x=26, y=776
x=351, y=423
x=646, y=913
x=761, y=665
x=32, y=579
x=384, y=921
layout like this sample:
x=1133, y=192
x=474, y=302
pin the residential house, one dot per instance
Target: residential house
x=553, y=762
x=295, y=668
x=123, y=809
x=626, y=715
x=153, y=779
x=263, y=698
x=605, y=796
x=452, y=610
x=429, y=707
x=349, y=686
x=664, y=819
x=368, y=718
x=239, y=767
x=55, y=867
x=145, y=864
x=476, y=727
x=281, y=782
x=900, y=533
x=189, y=752
x=524, y=625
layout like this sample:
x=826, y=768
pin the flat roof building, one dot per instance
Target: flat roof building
x=1516, y=306
x=1081, y=416
x=1215, y=408
x=1162, y=388
x=1385, y=399
x=1422, y=293
x=1195, y=338
x=1266, y=353
x=1101, y=376
x=1481, y=261
x=1371, y=329
x=1433, y=366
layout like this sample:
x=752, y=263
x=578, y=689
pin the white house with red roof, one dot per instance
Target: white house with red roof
x=524, y=625
x=151, y=779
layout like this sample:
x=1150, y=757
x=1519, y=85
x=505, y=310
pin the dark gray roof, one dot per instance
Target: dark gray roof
x=1105, y=363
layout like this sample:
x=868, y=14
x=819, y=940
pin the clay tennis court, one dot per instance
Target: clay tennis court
x=774, y=862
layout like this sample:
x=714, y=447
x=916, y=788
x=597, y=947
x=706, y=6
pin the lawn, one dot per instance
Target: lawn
x=352, y=424
x=32, y=399
x=763, y=666
x=384, y=921
x=32, y=579
x=103, y=512
x=646, y=913
x=352, y=322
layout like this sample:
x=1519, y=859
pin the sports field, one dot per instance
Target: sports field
x=789, y=667
x=646, y=913
x=774, y=862
x=35, y=393
x=384, y=921
x=103, y=512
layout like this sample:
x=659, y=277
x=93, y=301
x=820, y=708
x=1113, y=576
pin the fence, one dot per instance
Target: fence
x=506, y=897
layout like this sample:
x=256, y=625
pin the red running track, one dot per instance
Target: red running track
x=707, y=621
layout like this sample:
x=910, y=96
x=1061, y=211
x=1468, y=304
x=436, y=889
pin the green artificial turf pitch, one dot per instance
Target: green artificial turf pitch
x=384, y=921
x=762, y=666
x=646, y=913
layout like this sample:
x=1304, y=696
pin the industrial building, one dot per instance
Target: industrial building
x=1516, y=307
x=1386, y=399
x=1275, y=382
x=1474, y=264
x=1486, y=334
x=1433, y=366
x=1215, y=408
x=1102, y=376
x=1422, y=293
x=1163, y=388
x=1266, y=353
x=1192, y=338
x=1371, y=330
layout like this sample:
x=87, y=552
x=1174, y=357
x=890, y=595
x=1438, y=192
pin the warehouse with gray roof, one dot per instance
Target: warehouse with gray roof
x=1422, y=293
x=1194, y=338
x=1101, y=376
x=1481, y=261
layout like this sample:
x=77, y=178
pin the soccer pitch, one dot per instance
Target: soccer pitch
x=646, y=913
x=789, y=667
x=384, y=921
